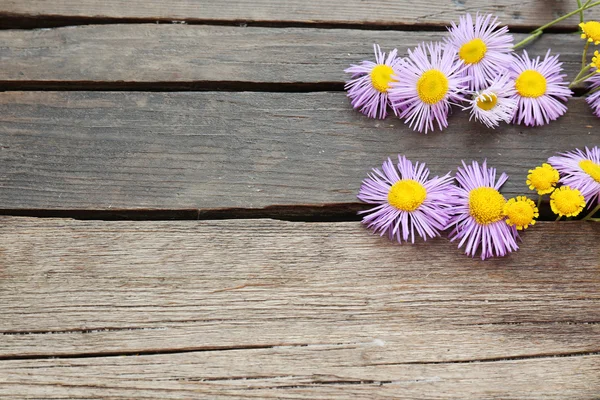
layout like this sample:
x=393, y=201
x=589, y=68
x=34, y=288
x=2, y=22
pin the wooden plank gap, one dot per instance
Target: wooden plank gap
x=25, y=21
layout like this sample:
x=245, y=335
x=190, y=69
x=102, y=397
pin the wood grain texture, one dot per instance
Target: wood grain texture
x=75, y=287
x=273, y=309
x=205, y=151
x=144, y=53
x=310, y=373
x=355, y=12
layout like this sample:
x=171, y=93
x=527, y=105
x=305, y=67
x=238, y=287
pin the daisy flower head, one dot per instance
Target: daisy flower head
x=590, y=31
x=482, y=46
x=543, y=179
x=370, y=81
x=478, y=213
x=406, y=201
x=593, y=99
x=431, y=79
x=540, y=89
x=580, y=170
x=596, y=61
x=566, y=201
x=494, y=104
x=520, y=212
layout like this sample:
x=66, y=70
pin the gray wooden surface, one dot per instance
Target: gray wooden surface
x=197, y=55
x=239, y=114
x=358, y=13
x=264, y=308
x=213, y=150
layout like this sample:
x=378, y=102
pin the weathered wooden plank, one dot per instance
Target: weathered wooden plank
x=133, y=151
x=97, y=288
x=195, y=54
x=526, y=13
x=312, y=372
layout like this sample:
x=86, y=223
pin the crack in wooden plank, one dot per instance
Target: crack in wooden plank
x=499, y=359
x=82, y=331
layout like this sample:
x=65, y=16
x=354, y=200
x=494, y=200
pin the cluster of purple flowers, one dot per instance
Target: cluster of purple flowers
x=473, y=67
x=409, y=203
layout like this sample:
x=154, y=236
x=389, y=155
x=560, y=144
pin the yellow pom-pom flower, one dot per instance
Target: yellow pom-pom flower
x=590, y=31
x=596, y=61
x=543, y=179
x=520, y=212
x=565, y=201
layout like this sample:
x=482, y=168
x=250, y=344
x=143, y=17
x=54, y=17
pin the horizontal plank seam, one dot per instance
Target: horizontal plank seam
x=166, y=86
x=184, y=86
x=27, y=21
x=330, y=212
x=327, y=212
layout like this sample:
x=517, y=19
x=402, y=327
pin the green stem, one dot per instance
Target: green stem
x=584, y=56
x=539, y=201
x=593, y=219
x=578, y=81
x=557, y=218
x=585, y=7
x=581, y=11
x=528, y=39
x=591, y=214
x=537, y=32
x=581, y=72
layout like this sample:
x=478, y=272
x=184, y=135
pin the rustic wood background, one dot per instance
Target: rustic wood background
x=124, y=123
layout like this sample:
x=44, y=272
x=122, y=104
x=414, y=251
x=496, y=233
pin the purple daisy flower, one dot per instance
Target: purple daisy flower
x=406, y=201
x=478, y=214
x=485, y=49
x=370, y=81
x=493, y=104
x=580, y=170
x=593, y=99
x=431, y=79
x=540, y=89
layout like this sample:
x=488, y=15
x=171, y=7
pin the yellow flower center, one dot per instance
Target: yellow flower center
x=591, y=168
x=543, y=179
x=472, y=52
x=591, y=31
x=487, y=101
x=486, y=205
x=530, y=83
x=381, y=76
x=521, y=212
x=407, y=195
x=567, y=201
x=432, y=86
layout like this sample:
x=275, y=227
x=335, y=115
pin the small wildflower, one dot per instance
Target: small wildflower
x=540, y=89
x=494, y=104
x=430, y=80
x=483, y=46
x=543, y=179
x=370, y=81
x=565, y=201
x=596, y=61
x=478, y=213
x=407, y=201
x=520, y=212
x=593, y=99
x=580, y=170
x=591, y=31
